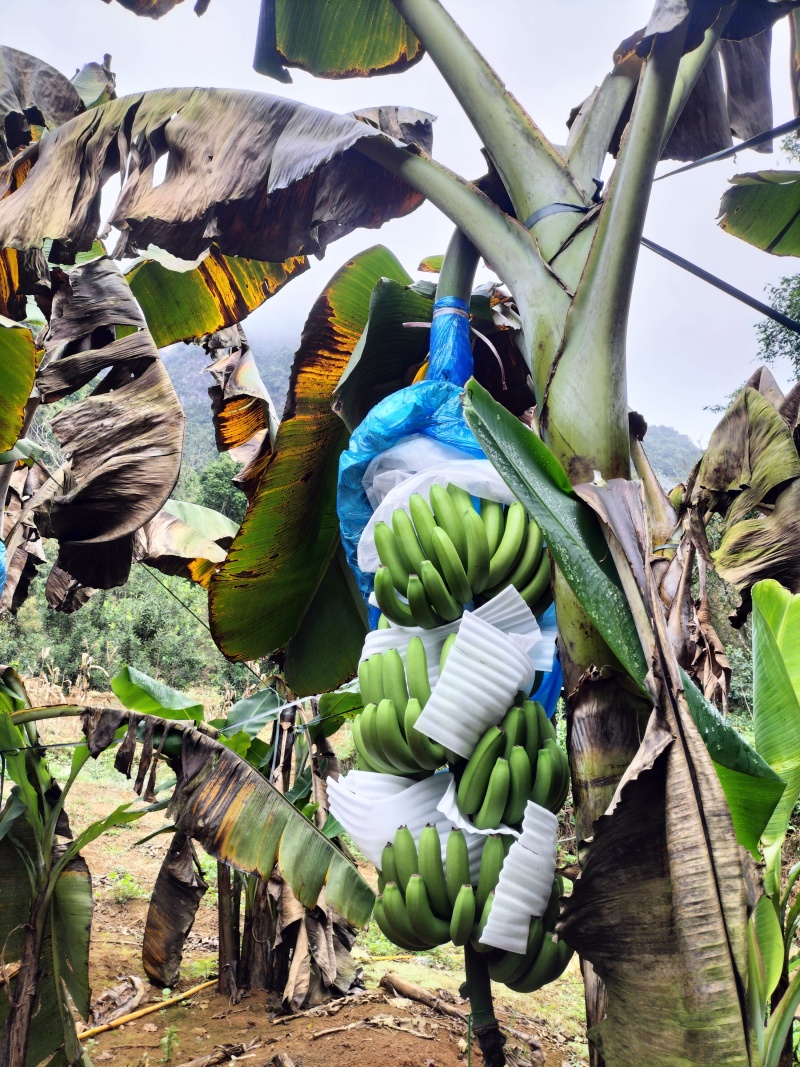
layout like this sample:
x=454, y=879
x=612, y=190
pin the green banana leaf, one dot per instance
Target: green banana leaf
x=334, y=710
x=333, y=40
x=571, y=531
x=182, y=304
x=770, y=943
x=18, y=359
x=776, y=707
x=140, y=692
x=211, y=524
x=763, y=208
x=253, y=713
x=23, y=451
x=264, y=593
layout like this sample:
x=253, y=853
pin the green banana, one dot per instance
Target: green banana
x=361, y=748
x=375, y=677
x=456, y=864
x=396, y=912
x=405, y=856
x=510, y=545
x=407, y=544
x=390, y=738
x=514, y=726
x=438, y=593
x=389, y=931
x=428, y=754
x=531, y=730
x=447, y=516
x=419, y=684
x=460, y=497
x=528, y=562
x=512, y=965
x=429, y=855
x=490, y=813
x=389, y=555
x=560, y=786
x=480, y=926
x=424, y=522
x=383, y=622
x=561, y=795
x=388, y=602
x=492, y=859
x=476, y=775
x=521, y=772
x=546, y=726
x=394, y=682
x=451, y=566
x=363, y=681
x=478, y=554
x=420, y=605
x=494, y=523
x=463, y=917
x=424, y=923
x=539, y=583
x=550, y=916
x=550, y=963
x=543, y=779
x=388, y=866
x=370, y=742
x=449, y=641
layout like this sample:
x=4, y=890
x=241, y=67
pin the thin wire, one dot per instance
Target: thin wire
x=726, y=153
x=194, y=614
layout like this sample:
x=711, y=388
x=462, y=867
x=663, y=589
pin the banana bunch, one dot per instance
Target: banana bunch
x=445, y=555
x=394, y=695
x=517, y=761
x=423, y=902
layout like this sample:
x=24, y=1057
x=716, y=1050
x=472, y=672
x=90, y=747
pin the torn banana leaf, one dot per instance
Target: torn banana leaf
x=763, y=208
x=183, y=304
x=266, y=587
x=292, y=190
x=33, y=96
x=238, y=818
x=241, y=406
x=178, y=540
x=95, y=83
x=179, y=888
x=746, y=20
x=334, y=40
x=18, y=357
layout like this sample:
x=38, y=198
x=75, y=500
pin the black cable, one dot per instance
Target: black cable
x=726, y=153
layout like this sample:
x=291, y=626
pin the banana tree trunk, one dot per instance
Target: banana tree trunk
x=15, y=1038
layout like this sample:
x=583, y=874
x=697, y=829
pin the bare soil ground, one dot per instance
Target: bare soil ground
x=124, y=873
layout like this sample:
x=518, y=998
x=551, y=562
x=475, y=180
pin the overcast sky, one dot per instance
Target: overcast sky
x=689, y=345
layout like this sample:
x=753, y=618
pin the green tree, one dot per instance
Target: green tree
x=217, y=491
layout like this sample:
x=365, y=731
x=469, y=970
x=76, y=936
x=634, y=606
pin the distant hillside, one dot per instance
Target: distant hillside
x=671, y=453
x=186, y=365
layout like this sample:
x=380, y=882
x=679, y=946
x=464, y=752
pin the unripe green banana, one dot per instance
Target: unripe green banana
x=420, y=605
x=550, y=916
x=438, y=593
x=424, y=522
x=475, y=778
x=396, y=912
x=460, y=497
x=510, y=545
x=392, y=743
x=529, y=560
x=394, y=682
x=514, y=726
x=419, y=684
x=371, y=741
x=492, y=859
x=521, y=772
x=490, y=813
x=429, y=855
x=389, y=555
x=424, y=923
x=539, y=583
x=463, y=918
x=512, y=965
x=372, y=687
x=388, y=866
x=388, y=601
x=407, y=544
x=428, y=754
x=361, y=748
x=477, y=930
x=405, y=856
x=447, y=516
x=550, y=963
x=456, y=864
x=383, y=622
x=543, y=778
x=494, y=523
x=393, y=934
x=531, y=731
x=560, y=786
x=478, y=555
x=561, y=795
x=449, y=641
x=451, y=566
x=546, y=726
x=363, y=681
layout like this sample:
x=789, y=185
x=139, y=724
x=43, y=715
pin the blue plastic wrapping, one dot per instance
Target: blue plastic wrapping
x=550, y=690
x=451, y=350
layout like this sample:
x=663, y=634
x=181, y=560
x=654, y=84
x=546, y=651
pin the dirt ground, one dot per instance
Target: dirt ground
x=550, y=1022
